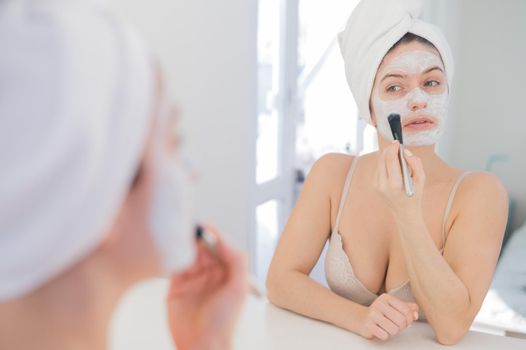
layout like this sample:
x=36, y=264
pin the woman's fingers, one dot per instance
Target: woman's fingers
x=416, y=167
x=385, y=323
x=395, y=316
x=379, y=333
x=184, y=284
x=389, y=173
x=392, y=164
x=217, y=276
x=203, y=272
x=389, y=316
x=233, y=262
x=407, y=309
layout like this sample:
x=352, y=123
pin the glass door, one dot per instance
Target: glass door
x=277, y=75
x=305, y=109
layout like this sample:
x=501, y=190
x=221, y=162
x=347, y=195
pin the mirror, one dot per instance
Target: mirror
x=485, y=129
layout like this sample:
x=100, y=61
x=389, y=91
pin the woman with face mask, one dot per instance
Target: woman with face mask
x=93, y=195
x=393, y=258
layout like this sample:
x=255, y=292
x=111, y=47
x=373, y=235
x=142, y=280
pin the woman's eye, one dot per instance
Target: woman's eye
x=394, y=88
x=432, y=83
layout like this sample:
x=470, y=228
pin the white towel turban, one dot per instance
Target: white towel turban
x=76, y=92
x=373, y=28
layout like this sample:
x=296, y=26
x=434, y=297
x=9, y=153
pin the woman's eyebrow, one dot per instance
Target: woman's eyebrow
x=432, y=69
x=392, y=76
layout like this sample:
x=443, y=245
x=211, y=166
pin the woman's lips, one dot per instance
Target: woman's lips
x=419, y=123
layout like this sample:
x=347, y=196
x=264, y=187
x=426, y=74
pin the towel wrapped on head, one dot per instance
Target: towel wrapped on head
x=372, y=30
x=75, y=109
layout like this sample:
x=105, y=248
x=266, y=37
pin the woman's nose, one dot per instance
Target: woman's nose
x=417, y=105
x=417, y=100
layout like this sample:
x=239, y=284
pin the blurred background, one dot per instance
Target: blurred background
x=263, y=94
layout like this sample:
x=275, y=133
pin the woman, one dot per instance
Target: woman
x=92, y=198
x=391, y=258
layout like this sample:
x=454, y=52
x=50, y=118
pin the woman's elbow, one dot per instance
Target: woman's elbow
x=272, y=284
x=451, y=335
x=278, y=285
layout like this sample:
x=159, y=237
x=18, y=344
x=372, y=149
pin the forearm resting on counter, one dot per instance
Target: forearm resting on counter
x=295, y=291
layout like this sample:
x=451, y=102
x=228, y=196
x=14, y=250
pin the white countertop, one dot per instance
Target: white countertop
x=264, y=326
x=140, y=323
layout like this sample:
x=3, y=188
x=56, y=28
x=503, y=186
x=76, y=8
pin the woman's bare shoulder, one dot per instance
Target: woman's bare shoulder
x=482, y=191
x=331, y=169
x=481, y=184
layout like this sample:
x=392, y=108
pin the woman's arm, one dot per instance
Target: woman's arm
x=300, y=246
x=450, y=288
x=289, y=285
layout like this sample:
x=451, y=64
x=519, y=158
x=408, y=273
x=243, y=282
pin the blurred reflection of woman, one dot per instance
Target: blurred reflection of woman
x=92, y=193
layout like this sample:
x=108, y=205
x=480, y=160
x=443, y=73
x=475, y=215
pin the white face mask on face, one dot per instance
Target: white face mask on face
x=414, y=62
x=171, y=220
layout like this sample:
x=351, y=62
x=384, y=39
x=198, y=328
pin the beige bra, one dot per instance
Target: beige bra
x=338, y=270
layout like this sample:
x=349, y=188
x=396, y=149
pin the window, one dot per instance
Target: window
x=305, y=108
x=327, y=119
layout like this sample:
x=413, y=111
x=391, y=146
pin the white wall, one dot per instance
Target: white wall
x=208, y=52
x=487, y=112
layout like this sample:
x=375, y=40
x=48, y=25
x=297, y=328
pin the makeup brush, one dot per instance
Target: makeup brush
x=210, y=242
x=396, y=129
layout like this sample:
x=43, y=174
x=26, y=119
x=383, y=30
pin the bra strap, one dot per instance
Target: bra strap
x=345, y=192
x=449, y=205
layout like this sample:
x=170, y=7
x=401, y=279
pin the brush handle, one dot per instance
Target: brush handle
x=408, y=181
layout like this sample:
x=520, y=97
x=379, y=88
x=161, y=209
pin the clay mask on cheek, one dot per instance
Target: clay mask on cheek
x=171, y=217
x=414, y=62
x=171, y=221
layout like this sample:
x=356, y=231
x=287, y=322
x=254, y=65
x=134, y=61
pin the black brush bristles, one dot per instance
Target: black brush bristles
x=396, y=127
x=198, y=232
